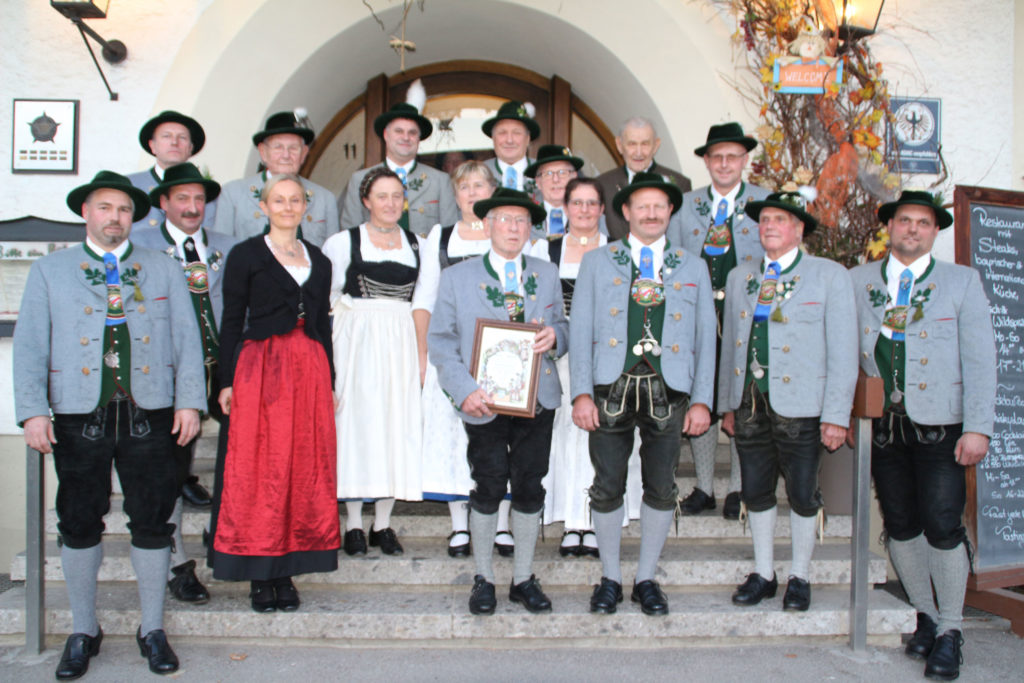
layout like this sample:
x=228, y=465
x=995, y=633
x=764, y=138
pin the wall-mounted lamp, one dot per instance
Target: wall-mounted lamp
x=114, y=51
x=857, y=18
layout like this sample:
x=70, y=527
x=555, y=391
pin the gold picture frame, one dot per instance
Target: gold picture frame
x=505, y=365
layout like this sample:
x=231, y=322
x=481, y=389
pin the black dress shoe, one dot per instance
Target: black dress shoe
x=195, y=493
x=286, y=595
x=461, y=550
x=529, y=595
x=155, y=648
x=606, y=597
x=651, y=598
x=697, y=502
x=798, y=595
x=77, y=651
x=921, y=643
x=755, y=589
x=387, y=541
x=261, y=596
x=505, y=549
x=572, y=549
x=589, y=550
x=945, y=660
x=355, y=542
x=185, y=586
x=481, y=598
x=731, y=506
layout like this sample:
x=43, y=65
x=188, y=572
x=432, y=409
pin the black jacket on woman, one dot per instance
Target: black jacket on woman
x=261, y=299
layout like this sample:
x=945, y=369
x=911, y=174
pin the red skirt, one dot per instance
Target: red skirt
x=280, y=468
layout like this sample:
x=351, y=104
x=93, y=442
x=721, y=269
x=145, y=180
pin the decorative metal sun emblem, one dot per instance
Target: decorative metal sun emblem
x=44, y=129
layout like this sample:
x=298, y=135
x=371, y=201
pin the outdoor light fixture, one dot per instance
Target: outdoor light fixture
x=114, y=51
x=857, y=18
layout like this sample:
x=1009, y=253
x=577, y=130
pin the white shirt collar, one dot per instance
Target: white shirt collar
x=158, y=172
x=498, y=264
x=630, y=172
x=785, y=261
x=657, y=249
x=179, y=236
x=394, y=167
x=894, y=269
x=729, y=197
x=97, y=249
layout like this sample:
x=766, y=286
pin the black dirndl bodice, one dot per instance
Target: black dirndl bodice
x=380, y=280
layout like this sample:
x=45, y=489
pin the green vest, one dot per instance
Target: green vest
x=720, y=265
x=891, y=355
x=201, y=303
x=514, y=305
x=758, y=343
x=637, y=316
x=115, y=365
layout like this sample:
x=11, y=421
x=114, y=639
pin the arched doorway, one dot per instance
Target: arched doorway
x=461, y=94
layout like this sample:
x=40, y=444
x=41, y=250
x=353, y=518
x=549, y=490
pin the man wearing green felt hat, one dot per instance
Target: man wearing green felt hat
x=108, y=369
x=554, y=168
x=429, y=198
x=927, y=332
x=513, y=128
x=283, y=145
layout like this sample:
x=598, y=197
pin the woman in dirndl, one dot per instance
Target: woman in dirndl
x=380, y=356
x=275, y=514
x=570, y=472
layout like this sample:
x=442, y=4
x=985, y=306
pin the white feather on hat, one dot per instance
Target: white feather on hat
x=416, y=95
x=531, y=110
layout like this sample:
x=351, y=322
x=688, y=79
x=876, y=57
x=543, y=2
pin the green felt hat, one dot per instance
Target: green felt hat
x=792, y=202
x=113, y=181
x=169, y=116
x=644, y=180
x=283, y=122
x=726, y=132
x=548, y=153
x=184, y=174
x=507, y=197
x=515, y=111
x=403, y=110
x=917, y=198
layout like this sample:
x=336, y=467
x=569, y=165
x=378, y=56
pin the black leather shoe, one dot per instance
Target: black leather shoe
x=461, y=550
x=261, y=596
x=945, y=660
x=572, y=549
x=731, y=506
x=651, y=598
x=505, y=549
x=589, y=550
x=355, y=542
x=77, y=651
x=529, y=595
x=606, y=596
x=697, y=502
x=481, y=598
x=185, y=586
x=286, y=595
x=921, y=643
x=195, y=493
x=798, y=595
x=155, y=648
x=387, y=541
x=755, y=589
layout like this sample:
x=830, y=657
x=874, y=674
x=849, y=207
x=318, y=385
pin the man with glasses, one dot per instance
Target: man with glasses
x=642, y=336
x=283, y=145
x=712, y=223
x=504, y=452
x=554, y=168
x=637, y=142
x=927, y=333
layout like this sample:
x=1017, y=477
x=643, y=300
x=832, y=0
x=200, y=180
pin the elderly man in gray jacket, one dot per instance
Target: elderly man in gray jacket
x=504, y=451
x=642, y=354
x=785, y=385
x=927, y=332
x=107, y=341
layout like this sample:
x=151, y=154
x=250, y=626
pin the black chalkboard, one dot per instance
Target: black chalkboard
x=990, y=237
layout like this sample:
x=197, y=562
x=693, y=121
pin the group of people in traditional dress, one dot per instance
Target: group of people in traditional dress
x=338, y=362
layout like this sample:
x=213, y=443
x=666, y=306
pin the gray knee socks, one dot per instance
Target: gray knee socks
x=150, y=574
x=525, y=528
x=178, y=555
x=911, y=561
x=608, y=529
x=762, y=529
x=802, y=539
x=482, y=530
x=949, y=574
x=654, y=528
x=703, y=448
x=735, y=478
x=81, y=569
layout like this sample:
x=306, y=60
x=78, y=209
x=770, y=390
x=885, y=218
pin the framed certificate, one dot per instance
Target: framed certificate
x=505, y=366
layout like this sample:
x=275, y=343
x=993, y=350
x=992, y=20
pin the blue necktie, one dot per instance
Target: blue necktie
x=720, y=214
x=903, y=299
x=646, y=263
x=555, y=224
x=404, y=177
x=767, y=293
x=115, y=305
x=511, y=281
x=511, y=178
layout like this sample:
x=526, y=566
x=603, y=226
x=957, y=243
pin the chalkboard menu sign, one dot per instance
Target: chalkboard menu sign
x=990, y=238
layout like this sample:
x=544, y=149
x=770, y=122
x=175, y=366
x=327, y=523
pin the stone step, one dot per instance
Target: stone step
x=381, y=613
x=426, y=562
x=430, y=520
